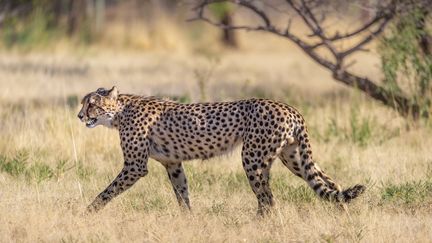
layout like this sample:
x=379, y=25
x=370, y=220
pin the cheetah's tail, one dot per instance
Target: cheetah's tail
x=327, y=189
x=350, y=193
x=345, y=195
x=321, y=183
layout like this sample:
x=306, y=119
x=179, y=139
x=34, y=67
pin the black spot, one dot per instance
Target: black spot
x=311, y=176
x=321, y=193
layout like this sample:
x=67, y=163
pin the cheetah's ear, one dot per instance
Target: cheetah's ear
x=113, y=92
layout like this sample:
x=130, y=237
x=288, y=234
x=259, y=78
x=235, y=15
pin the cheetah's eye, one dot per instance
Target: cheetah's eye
x=93, y=106
x=97, y=108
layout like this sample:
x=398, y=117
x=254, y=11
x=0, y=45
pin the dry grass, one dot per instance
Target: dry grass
x=52, y=166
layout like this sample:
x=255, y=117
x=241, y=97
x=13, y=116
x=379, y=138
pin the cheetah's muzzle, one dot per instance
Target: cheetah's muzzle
x=91, y=122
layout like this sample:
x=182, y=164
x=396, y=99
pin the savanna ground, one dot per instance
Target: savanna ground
x=52, y=166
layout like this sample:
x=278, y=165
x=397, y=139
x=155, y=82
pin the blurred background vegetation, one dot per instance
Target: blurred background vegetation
x=33, y=23
x=404, y=46
x=135, y=24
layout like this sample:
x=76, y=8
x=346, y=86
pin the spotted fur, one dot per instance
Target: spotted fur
x=171, y=133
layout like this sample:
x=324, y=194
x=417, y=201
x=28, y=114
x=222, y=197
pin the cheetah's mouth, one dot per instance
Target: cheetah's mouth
x=91, y=122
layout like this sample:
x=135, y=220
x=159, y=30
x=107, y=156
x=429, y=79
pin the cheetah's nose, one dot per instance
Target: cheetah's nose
x=80, y=116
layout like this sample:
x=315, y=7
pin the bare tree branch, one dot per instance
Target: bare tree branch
x=366, y=40
x=366, y=26
x=305, y=9
x=306, y=14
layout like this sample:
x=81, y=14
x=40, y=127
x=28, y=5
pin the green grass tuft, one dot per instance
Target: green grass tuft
x=291, y=194
x=408, y=193
x=39, y=172
x=15, y=166
x=84, y=172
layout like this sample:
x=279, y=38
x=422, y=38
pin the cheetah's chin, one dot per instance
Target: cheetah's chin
x=91, y=122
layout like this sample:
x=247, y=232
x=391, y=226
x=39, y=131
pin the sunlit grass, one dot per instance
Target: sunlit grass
x=51, y=166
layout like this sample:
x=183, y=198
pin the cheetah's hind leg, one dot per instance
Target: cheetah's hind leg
x=257, y=169
x=179, y=183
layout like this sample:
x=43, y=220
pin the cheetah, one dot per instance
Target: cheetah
x=171, y=133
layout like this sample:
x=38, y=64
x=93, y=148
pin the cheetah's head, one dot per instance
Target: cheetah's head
x=99, y=107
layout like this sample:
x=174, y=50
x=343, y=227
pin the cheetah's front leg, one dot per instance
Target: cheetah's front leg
x=125, y=179
x=135, y=167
